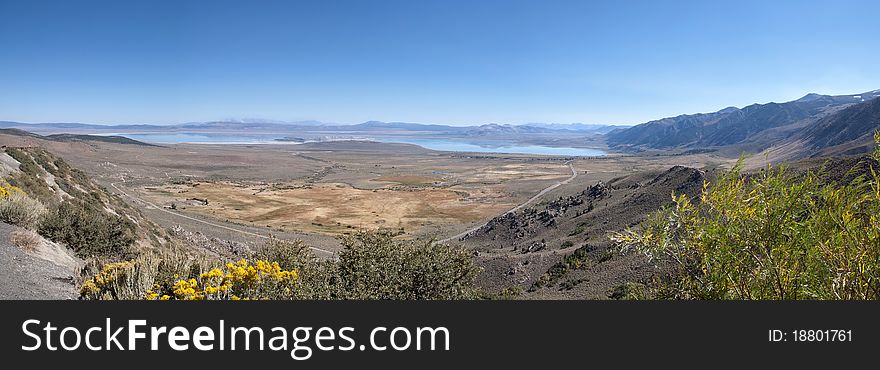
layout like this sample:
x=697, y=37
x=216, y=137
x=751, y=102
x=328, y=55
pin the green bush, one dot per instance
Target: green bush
x=769, y=236
x=376, y=266
x=579, y=259
x=628, y=291
x=290, y=255
x=317, y=279
x=87, y=231
x=581, y=227
x=29, y=177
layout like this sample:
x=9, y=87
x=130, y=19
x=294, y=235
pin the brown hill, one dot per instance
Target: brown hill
x=560, y=249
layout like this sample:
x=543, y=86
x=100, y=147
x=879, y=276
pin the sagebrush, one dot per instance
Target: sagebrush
x=18, y=208
x=372, y=265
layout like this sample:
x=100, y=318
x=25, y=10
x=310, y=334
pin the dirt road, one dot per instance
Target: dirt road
x=522, y=205
x=202, y=223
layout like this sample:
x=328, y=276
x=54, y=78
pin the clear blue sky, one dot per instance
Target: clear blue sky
x=468, y=62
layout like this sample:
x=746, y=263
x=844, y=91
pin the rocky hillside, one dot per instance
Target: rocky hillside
x=56, y=224
x=853, y=127
x=560, y=249
x=52, y=181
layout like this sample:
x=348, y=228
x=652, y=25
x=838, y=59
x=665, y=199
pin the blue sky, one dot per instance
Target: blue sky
x=468, y=62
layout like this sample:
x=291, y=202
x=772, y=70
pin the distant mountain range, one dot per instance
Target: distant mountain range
x=577, y=127
x=812, y=125
x=264, y=126
x=814, y=122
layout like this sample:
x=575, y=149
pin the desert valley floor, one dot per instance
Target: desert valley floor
x=318, y=191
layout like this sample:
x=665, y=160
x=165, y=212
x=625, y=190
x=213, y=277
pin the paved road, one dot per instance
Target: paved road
x=546, y=190
x=231, y=227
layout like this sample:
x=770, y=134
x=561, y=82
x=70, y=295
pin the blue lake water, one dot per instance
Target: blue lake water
x=451, y=145
x=494, y=146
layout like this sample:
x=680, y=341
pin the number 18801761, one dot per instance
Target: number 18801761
x=811, y=335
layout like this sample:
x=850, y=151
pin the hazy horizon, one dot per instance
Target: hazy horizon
x=272, y=121
x=450, y=63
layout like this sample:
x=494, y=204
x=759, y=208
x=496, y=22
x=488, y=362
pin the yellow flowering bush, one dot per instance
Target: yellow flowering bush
x=240, y=280
x=130, y=280
x=106, y=281
x=372, y=266
x=7, y=190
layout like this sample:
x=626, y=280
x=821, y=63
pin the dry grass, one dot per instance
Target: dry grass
x=411, y=180
x=130, y=280
x=27, y=240
x=19, y=209
x=336, y=207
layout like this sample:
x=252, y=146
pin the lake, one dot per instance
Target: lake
x=494, y=146
x=442, y=144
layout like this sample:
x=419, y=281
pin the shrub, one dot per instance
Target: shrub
x=178, y=277
x=375, y=266
x=87, y=231
x=510, y=292
x=579, y=259
x=154, y=272
x=18, y=209
x=108, y=283
x=628, y=291
x=316, y=279
x=579, y=229
x=771, y=236
x=6, y=190
x=28, y=178
x=240, y=280
x=290, y=255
